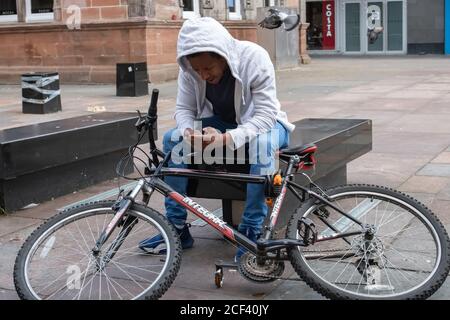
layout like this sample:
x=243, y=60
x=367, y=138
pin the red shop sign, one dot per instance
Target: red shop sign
x=328, y=29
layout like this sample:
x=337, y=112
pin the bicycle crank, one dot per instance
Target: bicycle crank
x=270, y=271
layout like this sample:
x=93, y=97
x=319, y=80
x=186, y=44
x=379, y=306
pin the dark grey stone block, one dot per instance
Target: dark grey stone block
x=54, y=158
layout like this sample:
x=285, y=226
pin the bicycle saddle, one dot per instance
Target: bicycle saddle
x=299, y=150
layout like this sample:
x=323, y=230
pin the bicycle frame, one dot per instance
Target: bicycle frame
x=154, y=182
x=260, y=248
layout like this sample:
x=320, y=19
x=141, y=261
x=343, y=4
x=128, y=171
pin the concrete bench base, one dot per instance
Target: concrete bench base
x=47, y=160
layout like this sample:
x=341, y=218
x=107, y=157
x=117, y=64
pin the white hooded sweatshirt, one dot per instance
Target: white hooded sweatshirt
x=255, y=100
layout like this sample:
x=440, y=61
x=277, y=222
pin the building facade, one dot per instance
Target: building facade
x=83, y=40
x=365, y=27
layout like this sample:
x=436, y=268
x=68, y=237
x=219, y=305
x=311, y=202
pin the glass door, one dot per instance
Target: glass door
x=375, y=26
x=396, y=25
x=352, y=27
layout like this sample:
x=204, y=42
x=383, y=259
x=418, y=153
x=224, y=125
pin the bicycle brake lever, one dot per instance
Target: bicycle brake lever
x=140, y=122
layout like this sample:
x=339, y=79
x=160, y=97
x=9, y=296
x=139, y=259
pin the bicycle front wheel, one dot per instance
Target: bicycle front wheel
x=58, y=260
x=408, y=257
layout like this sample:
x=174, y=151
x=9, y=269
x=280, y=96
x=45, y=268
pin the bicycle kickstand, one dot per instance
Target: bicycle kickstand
x=220, y=266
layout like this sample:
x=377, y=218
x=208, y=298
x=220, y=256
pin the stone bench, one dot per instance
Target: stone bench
x=43, y=161
x=339, y=141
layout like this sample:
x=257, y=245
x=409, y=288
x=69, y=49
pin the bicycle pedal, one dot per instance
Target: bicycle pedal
x=307, y=230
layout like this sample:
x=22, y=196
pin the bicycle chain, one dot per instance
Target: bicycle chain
x=268, y=277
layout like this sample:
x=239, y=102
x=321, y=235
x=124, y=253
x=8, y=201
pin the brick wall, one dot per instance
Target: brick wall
x=96, y=10
x=90, y=55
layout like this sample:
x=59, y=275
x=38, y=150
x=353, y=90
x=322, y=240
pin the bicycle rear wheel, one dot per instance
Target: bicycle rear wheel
x=57, y=261
x=408, y=257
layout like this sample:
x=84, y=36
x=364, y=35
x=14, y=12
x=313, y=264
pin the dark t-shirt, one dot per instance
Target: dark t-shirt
x=221, y=96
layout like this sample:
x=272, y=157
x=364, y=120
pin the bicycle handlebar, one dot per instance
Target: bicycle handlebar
x=152, y=109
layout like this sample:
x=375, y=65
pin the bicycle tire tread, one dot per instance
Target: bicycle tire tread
x=332, y=294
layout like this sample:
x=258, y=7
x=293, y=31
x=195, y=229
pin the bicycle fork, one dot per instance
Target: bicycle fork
x=123, y=205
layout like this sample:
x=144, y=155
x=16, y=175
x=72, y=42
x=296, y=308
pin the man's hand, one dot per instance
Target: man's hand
x=210, y=135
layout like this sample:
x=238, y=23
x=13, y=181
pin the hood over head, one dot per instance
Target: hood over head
x=205, y=34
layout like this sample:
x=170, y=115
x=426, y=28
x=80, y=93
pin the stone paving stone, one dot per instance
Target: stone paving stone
x=9, y=253
x=180, y=293
x=10, y=224
x=409, y=143
x=424, y=184
x=384, y=169
x=444, y=157
x=430, y=87
x=374, y=88
x=443, y=293
x=440, y=170
x=6, y=294
x=441, y=209
x=435, y=107
x=423, y=123
x=348, y=97
x=404, y=105
x=18, y=236
x=414, y=94
x=445, y=193
x=294, y=290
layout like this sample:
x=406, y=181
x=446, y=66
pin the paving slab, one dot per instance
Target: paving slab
x=443, y=293
x=435, y=169
x=425, y=184
x=441, y=208
x=444, y=157
x=9, y=254
x=410, y=143
x=385, y=169
x=423, y=123
x=434, y=107
x=10, y=224
x=6, y=294
x=382, y=104
x=444, y=194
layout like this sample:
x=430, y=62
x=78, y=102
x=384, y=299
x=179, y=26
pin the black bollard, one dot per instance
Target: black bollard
x=41, y=93
x=131, y=79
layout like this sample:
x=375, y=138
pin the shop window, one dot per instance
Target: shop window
x=37, y=10
x=8, y=11
x=190, y=9
x=234, y=9
x=321, y=31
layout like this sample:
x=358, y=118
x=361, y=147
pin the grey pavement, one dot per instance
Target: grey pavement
x=407, y=97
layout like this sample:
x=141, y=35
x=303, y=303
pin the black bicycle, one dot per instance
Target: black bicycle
x=348, y=242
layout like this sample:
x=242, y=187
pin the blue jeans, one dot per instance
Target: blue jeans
x=255, y=207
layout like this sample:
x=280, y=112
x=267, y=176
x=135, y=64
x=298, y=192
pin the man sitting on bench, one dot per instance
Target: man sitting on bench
x=228, y=85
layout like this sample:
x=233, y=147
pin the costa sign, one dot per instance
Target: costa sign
x=328, y=28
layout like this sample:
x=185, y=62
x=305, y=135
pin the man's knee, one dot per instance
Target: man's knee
x=171, y=139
